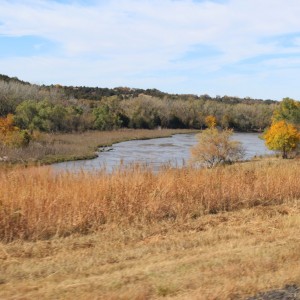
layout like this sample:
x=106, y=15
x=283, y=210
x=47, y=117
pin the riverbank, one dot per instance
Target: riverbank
x=53, y=148
x=225, y=233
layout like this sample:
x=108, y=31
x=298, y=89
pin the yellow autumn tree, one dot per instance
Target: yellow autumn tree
x=282, y=136
x=211, y=121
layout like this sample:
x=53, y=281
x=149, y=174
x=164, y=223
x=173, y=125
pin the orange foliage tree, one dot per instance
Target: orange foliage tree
x=211, y=121
x=7, y=129
x=282, y=136
x=11, y=135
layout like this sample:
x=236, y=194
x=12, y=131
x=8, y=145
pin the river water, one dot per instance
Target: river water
x=174, y=151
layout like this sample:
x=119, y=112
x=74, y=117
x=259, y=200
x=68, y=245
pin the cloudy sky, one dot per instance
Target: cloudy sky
x=216, y=47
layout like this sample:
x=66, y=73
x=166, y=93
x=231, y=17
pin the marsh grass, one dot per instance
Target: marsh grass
x=51, y=148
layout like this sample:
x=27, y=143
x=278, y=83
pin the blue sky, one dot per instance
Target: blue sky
x=223, y=47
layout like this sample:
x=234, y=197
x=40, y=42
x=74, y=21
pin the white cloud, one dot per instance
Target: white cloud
x=124, y=38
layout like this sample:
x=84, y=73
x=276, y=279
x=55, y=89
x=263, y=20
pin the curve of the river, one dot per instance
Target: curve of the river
x=173, y=150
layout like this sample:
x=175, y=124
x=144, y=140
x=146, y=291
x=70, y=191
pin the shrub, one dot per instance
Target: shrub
x=216, y=147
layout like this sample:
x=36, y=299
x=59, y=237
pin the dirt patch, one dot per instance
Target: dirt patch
x=289, y=292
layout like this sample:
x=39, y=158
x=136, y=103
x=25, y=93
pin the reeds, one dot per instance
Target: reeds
x=36, y=203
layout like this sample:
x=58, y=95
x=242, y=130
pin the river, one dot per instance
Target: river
x=173, y=150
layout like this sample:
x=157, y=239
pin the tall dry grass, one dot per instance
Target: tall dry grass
x=35, y=203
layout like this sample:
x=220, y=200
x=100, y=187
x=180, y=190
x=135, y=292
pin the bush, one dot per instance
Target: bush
x=216, y=147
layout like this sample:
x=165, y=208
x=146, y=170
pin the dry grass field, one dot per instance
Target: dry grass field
x=224, y=233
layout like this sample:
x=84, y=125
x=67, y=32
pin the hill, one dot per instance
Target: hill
x=97, y=93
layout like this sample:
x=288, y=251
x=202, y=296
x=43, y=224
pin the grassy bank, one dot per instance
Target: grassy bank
x=51, y=148
x=227, y=256
x=224, y=233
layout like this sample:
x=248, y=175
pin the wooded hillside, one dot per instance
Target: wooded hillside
x=67, y=108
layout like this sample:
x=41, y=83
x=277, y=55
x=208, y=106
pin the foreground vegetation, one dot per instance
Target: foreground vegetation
x=223, y=233
x=227, y=256
x=38, y=204
x=50, y=148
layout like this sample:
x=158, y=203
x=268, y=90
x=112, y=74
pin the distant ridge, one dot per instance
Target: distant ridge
x=14, y=79
x=97, y=93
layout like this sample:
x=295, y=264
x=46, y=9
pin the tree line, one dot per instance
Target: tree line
x=57, y=108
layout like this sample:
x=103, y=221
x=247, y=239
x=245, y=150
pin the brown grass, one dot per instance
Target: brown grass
x=224, y=233
x=37, y=204
x=226, y=256
x=50, y=148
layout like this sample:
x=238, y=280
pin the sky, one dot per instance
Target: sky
x=243, y=48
